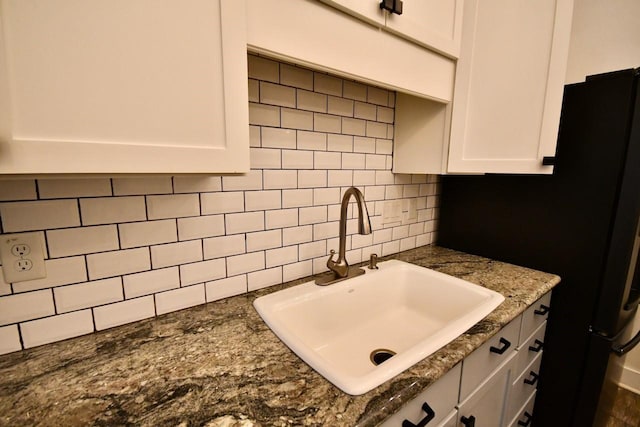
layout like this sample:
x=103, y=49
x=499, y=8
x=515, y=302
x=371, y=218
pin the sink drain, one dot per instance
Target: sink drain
x=380, y=355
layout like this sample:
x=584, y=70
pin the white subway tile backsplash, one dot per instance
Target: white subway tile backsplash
x=312, y=178
x=326, y=123
x=278, y=138
x=110, y=210
x=297, y=119
x=61, y=271
x=179, y=299
x=39, y=215
x=173, y=206
x=244, y=222
x=326, y=196
x=262, y=200
x=377, y=96
x=364, y=178
x=265, y=158
x=291, y=75
x=365, y=111
x=198, y=227
x=138, y=186
x=312, y=250
x=134, y=234
x=224, y=288
x=88, y=294
x=254, y=137
x=82, y=240
x=261, y=68
x=277, y=95
x=340, y=106
x=313, y=215
x=411, y=190
x=362, y=144
x=197, y=184
x=296, y=159
x=280, y=179
x=218, y=203
x=384, y=146
x=263, y=278
x=264, y=240
x=384, y=177
x=361, y=240
x=382, y=236
x=354, y=90
x=61, y=188
x=200, y=272
x=339, y=142
x=390, y=248
x=385, y=115
x=325, y=83
x=246, y=263
x=407, y=243
x=297, y=270
x=282, y=218
x=340, y=178
x=116, y=263
x=375, y=249
x=9, y=339
x=264, y=115
x=218, y=247
x=376, y=130
x=176, y=253
x=27, y=306
x=353, y=161
x=109, y=316
x=149, y=282
x=354, y=126
x=249, y=181
x=375, y=161
x=326, y=230
x=294, y=235
x=56, y=328
x=327, y=160
x=297, y=198
x=18, y=189
x=254, y=90
x=312, y=101
x=280, y=256
x=312, y=140
x=375, y=192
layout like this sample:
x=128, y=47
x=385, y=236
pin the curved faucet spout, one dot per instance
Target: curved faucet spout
x=340, y=267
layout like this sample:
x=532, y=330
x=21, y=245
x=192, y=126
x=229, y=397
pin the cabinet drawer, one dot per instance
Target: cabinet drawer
x=523, y=387
x=483, y=361
x=523, y=417
x=530, y=349
x=535, y=316
x=441, y=397
x=450, y=420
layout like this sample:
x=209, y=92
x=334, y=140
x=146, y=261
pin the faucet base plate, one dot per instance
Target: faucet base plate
x=329, y=277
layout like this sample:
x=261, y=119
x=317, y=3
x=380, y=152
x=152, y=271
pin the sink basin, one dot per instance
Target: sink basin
x=360, y=332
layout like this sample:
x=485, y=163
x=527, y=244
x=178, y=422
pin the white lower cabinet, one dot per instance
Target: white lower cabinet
x=494, y=386
x=435, y=404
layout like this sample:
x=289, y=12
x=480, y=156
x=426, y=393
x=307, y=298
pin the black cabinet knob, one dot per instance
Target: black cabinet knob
x=393, y=6
x=468, y=422
x=533, y=378
x=544, y=309
x=538, y=346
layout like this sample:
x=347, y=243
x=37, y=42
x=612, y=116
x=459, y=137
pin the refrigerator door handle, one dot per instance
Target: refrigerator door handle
x=623, y=349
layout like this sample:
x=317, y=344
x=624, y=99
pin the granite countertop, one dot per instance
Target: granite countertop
x=218, y=364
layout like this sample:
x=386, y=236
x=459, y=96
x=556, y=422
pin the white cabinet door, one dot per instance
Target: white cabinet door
x=509, y=84
x=156, y=86
x=367, y=10
x=433, y=23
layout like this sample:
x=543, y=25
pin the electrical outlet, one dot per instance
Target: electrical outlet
x=392, y=211
x=22, y=257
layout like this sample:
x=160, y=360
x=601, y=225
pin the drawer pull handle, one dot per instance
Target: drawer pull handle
x=544, y=309
x=505, y=345
x=538, y=346
x=533, y=379
x=527, y=420
x=423, y=422
x=468, y=422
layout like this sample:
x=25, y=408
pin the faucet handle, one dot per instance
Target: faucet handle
x=330, y=261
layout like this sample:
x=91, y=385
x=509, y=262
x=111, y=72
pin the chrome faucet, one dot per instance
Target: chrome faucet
x=340, y=267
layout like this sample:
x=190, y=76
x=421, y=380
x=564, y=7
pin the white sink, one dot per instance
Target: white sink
x=410, y=310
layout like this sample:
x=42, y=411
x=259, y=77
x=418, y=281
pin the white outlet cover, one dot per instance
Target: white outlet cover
x=22, y=257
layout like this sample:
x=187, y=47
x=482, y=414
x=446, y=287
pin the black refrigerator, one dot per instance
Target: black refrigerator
x=582, y=223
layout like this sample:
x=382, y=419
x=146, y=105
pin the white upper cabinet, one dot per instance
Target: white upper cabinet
x=150, y=86
x=509, y=85
x=436, y=24
x=433, y=23
x=316, y=35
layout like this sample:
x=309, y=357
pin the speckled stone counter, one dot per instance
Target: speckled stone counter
x=219, y=365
